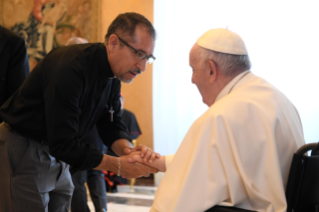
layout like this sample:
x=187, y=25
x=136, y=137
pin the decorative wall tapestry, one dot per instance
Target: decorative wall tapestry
x=47, y=24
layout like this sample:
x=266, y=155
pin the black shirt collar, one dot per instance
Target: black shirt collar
x=104, y=65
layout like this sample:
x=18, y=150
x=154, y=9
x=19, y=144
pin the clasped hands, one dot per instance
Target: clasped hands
x=138, y=162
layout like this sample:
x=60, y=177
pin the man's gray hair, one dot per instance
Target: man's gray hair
x=229, y=64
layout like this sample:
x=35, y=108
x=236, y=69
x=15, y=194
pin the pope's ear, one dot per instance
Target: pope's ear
x=212, y=71
x=113, y=42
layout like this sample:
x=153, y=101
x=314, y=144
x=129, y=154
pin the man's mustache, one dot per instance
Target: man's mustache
x=136, y=71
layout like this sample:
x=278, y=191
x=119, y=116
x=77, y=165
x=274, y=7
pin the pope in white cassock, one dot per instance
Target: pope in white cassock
x=238, y=153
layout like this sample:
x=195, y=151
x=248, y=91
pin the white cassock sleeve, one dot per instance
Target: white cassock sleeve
x=191, y=172
x=168, y=160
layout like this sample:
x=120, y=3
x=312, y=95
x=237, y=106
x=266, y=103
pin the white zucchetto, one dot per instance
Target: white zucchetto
x=224, y=41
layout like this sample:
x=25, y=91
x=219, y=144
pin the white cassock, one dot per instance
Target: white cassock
x=238, y=153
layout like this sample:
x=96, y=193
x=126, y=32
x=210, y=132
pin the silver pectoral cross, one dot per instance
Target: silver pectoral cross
x=111, y=111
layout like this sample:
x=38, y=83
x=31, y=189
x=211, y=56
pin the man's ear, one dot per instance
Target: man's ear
x=113, y=42
x=212, y=71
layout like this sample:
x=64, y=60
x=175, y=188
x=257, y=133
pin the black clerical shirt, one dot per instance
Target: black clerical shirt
x=69, y=91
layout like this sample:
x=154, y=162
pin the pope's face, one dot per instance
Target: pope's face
x=127, y=66
x=199, y=78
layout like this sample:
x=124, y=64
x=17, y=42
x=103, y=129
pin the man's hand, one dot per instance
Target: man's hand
x=158, y=163
x=147, y=154
x=127, y=169
x=124, y=147
x=135, y=169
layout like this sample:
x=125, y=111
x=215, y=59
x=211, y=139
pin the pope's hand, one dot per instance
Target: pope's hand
x=135, y=169
x=147, y=154
x=158, y=163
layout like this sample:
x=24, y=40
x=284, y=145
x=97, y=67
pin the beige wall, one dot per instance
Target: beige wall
x=138, y=95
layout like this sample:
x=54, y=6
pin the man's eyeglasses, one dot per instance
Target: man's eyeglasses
x=139, y=54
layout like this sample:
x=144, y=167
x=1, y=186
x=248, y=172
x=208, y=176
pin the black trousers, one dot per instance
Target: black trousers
x=96, y=184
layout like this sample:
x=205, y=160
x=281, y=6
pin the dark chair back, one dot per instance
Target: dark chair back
x=302, y=190
x=218, y=208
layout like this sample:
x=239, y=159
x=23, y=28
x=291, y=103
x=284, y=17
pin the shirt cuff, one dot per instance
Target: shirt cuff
x=92, y=160
x=168, y=160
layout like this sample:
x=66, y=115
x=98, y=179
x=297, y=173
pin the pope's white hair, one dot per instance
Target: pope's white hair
x=229, y=64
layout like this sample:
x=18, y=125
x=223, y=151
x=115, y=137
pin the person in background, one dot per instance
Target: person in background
x=68, y=92
x=111, y=178
x=14, y=65
x=240, y=150
x=93, y=178
x=76, y=40
x=130, y=121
